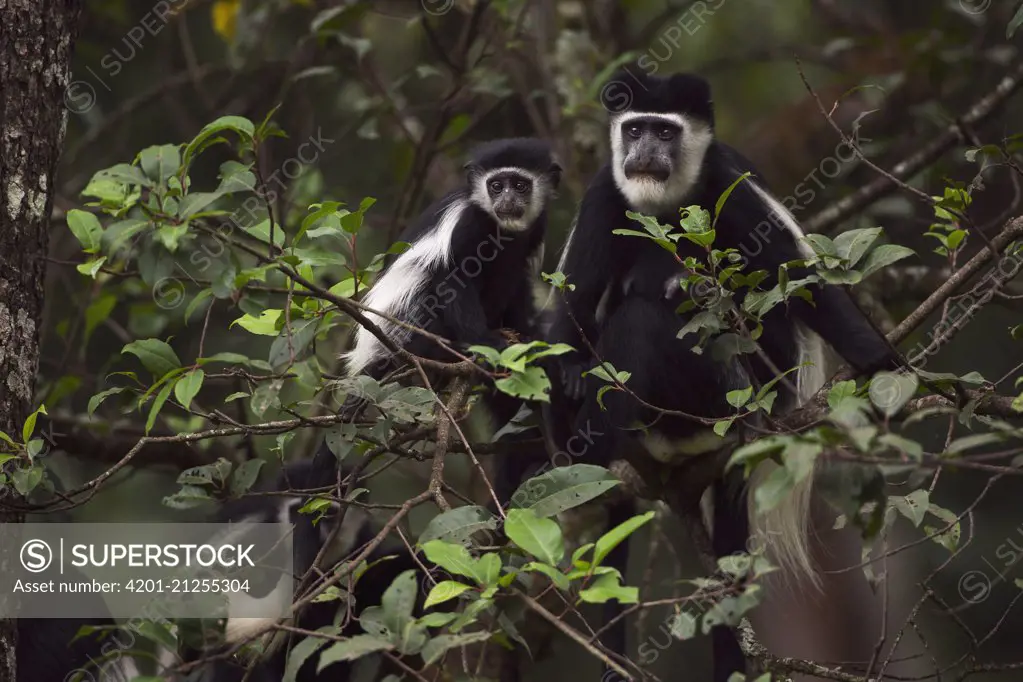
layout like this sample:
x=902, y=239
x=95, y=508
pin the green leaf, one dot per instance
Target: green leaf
x=913, y=506
x=821, y=245
x=617, y=535
x=86, y=228
x=435, y=648
x=727, y=193
x=437, y=620
x=683, y=625
x=910, y=448
x=90, y=268
x=608, y=587
x=444, y=591
x=740, y=397
x=399, y=600
x=1014, y=23
x=721, y=427
x=161, y=398
x=458, y=525
x=973, y=441
x=245, y=475
x=187, y=387
x=188, y=497
x=242, y=126
x=264, y=325
x=492, y=355
x=532, y=384
x=29, y=427
x=758, y=450
x=853, y=244
x=556, y=576
x=352, y=648
x=261, y=231
x=157, y=356
x=454, y=558
x=839, y=392
x=883, y=256
x=541, y=537
x=773, y=489
x=98, y=311
x=160, y=162
x=563, y=488
x=26, y=480
x=890, y=391
x=303, y=649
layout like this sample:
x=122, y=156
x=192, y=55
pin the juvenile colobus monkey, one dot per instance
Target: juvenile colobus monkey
x=664, y=156
x=473, y=257
x=469, y=272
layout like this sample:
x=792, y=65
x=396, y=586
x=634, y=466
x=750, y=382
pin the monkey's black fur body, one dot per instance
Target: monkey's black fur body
x=626, y=295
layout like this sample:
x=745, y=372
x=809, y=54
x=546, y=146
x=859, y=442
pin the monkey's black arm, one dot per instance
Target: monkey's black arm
x=590, y=264
x=520, y=315
x=465, y=320
x=839, y=321
x=752, y=225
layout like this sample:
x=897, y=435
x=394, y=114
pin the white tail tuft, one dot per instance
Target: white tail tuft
x=784, y=531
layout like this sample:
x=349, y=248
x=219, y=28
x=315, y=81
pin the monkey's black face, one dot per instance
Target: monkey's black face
x=510, y=195
x=651, y=148
x=657, y=157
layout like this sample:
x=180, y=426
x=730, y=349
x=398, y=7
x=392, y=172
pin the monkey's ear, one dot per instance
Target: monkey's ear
x=472, y=172
x=555, y=174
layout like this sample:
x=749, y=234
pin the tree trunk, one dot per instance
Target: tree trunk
x=36, y=38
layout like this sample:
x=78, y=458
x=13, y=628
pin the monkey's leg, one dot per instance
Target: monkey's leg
x=639, y=339
x=730, y=535
x=511, y=468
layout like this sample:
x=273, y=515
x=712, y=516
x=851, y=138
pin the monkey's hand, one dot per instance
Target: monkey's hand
x=573, y=383
x=510, y=335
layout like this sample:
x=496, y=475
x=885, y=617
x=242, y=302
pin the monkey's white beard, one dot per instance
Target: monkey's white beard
x=650, y=196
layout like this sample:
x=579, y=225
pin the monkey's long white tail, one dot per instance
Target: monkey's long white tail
x=784, y=531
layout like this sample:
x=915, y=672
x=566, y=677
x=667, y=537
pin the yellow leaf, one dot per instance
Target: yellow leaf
x=225, y=18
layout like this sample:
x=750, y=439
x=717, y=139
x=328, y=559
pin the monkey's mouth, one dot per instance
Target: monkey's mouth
x=510, y=213
x=648, y=174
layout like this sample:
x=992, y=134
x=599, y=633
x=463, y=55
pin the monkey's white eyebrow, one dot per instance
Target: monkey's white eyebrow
x=510, y=169
x=674, y=119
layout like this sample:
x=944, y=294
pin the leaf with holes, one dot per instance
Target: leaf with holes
x=532, y=384
x=913, y=506
x=458, y=525
x=564, y=487
x=608, y=587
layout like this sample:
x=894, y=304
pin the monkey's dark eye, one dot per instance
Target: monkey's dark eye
x=634, y=132
x=521, y=186
x=496, y=186
x=666, y=133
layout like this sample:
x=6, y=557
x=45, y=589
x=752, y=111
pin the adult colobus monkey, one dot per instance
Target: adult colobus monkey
x=664, y=156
